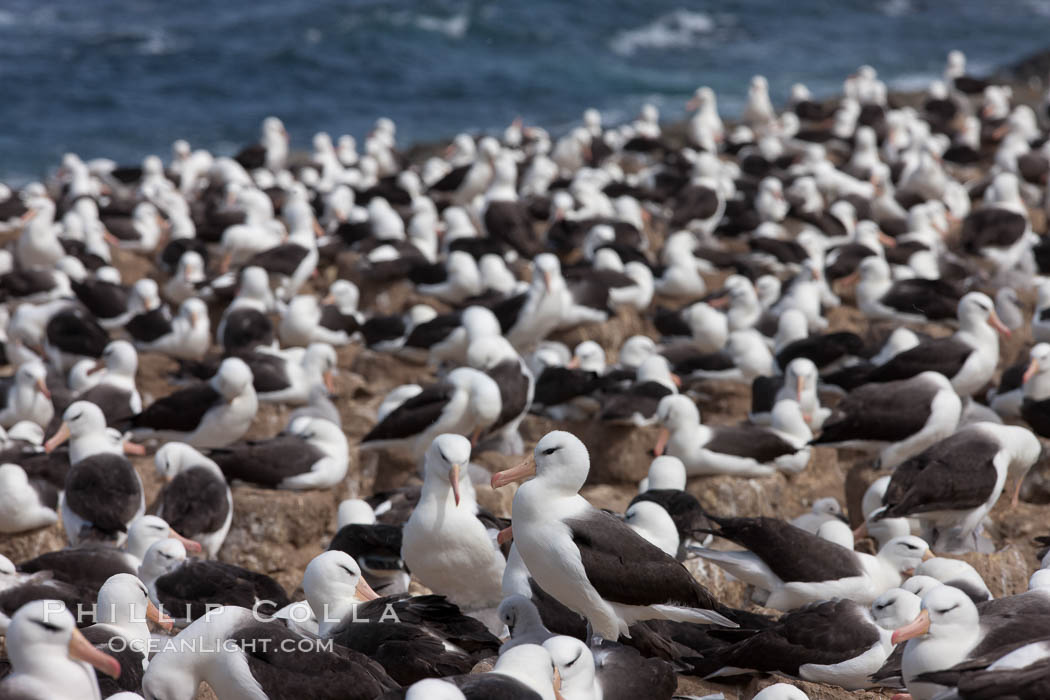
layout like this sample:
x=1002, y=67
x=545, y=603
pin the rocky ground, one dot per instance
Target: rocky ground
x=278, y=532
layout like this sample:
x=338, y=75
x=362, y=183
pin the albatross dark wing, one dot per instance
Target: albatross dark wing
x=413, y=416
x=513, y=386
x=934, y=299
x=954, y=474
x=879, y=412
x=149, y=326
x=195, y=502
x=286, y=668
x=822, y=349
x=194, y=585
x=682, y=506
x=944, y=355
x=283, y=259
x=991, y=226
x=104, y=490
x=181, y=411
x=131, y=671
x=822, y=633
x=76, y=332
x=749, y=441
x=267, y=462
x=560, y=384
x=625, y=568
x=781, y=546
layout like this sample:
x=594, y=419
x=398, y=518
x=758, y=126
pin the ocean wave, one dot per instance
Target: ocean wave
x=896, y=8
x=6, y=18
x=912, y=82
x=157, y=42
x=675, y=30
x=454, y=27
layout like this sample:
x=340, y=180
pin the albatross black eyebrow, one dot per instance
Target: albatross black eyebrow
x=48, y=626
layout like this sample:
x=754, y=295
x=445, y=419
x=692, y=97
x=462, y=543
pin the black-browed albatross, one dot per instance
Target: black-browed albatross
x=589, y=560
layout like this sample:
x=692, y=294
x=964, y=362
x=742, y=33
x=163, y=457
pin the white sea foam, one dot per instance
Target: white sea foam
x=896, y=8
x=912, y=82
x=454, y=27
x=157, y=42
x=1039, y=7
x=675, y=30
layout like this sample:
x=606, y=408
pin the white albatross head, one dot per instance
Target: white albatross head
x=946, y=613
x=44, y=629
x=233, y=378
x=904, y=554
x=575, y=664
x=560, y=460
x=333, y=583
x=445, y=460
x=146, y=530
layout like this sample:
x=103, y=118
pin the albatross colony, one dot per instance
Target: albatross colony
x=752, y=407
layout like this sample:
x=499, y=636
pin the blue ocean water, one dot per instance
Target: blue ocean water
x=124, y=78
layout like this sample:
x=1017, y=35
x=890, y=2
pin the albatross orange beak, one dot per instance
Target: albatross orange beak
x=133, y=448
x=661, y=441
x=159, y=618
x=505, y=535
x=799, y=385
x=514, y=474
x=190, y=545
x=329, y=382
x=82, y=650
x=574, y=363
x=719, y=302
x=453, y=478
x=1033, y=367
x=887, y=240
x=98, y=367
x=58, y=438
x=557, y=685
x=861, y=531
x=41, y=385
x=547, y=281
x=994, y=322
x=850, y=279
x=916, y=628
x=364, y=591
x=676, y=379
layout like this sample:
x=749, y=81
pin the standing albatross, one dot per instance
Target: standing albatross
x=954, y=483
x=589, y=560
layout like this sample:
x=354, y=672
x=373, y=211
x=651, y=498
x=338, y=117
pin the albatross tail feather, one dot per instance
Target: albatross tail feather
x=696, y=615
